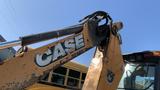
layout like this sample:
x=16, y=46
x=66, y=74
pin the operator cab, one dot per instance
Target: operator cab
x=141, y=71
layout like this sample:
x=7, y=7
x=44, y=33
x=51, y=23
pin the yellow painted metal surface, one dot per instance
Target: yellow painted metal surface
x=38, y=86
x=22, y=71
x=106, y=67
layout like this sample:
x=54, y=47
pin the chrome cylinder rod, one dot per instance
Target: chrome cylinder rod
x=4, y=45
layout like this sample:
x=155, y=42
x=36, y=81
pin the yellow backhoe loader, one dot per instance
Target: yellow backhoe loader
x=106, y=68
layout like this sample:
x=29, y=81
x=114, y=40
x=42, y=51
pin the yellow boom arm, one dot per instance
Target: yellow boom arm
x=27, y=67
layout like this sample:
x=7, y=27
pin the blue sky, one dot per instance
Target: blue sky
x=140, y=17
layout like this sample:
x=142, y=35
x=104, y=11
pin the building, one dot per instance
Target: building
x=69, y=76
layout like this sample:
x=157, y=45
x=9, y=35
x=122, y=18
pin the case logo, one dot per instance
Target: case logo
x=59, y=51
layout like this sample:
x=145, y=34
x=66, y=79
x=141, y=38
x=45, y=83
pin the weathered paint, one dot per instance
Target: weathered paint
x=106, y=67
